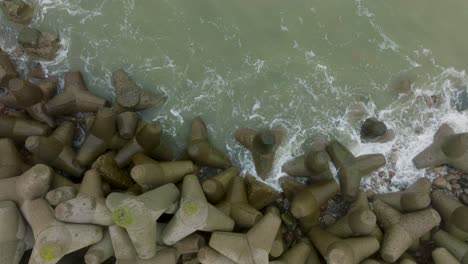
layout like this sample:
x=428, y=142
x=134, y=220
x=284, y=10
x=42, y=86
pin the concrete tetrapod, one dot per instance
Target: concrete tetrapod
x=308, y=201
x=252, y=247
x=290, y=186
x=237, y=206
x=190, y=244
x=457, y=247
x=359, y=221
x=138, y=215
x=279, y=246
x=125, y=252
x=149, y=173
x=98, y=138
x=61, y=194
x=402, y=230
x=7, y=69
x=342, y=251
x=216, y=187
x=298, y=254
x=130, y=97
x=313, y=164
x=374, y=261
x=55, y=239
x=145, y=140
x=447, y=148
x=22, y=94
x=56, y=149
x=262, y=144
x=74, y=98
x=19, y=128
x=454, y=214
x=259, y=193
x=127, y=123
x=32, y=184
x=207, y=255
x=351, y=169
x=89, y=206
x=443, y=256
x=101, y=251
x=415, y=197
x=12, y=233
x=194, y=213
x=11, y=163
x=201, y=151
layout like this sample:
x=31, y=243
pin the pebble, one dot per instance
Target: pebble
x=451, y=177
x=456, y=186
x=463, y=181
x=328, y=219
x=441, y=183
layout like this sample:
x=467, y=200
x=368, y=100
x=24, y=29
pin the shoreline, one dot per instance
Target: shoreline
x=122, y=153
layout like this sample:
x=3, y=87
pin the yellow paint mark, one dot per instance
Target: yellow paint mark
x=191, y=208
x=122, y=217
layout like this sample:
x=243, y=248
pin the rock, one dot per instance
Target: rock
x=372, y=129
x=441, y=183
x=328, y=219
x=17, y=11
x=131, y=97
x=111, y=173
x=451, y=177
x=37, y=71
x=39, y=44
x=463, y=181
x=456, y=186
x=7, y=69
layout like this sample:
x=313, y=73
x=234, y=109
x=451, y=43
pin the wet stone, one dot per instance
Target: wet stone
x=441, y=183
x=463, y=181
x=372, y=128
x=328, y=219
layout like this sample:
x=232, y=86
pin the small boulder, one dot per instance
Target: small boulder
x=17, y=11
x=372, y=129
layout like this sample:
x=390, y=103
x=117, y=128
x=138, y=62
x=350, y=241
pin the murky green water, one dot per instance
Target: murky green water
x=299, y=64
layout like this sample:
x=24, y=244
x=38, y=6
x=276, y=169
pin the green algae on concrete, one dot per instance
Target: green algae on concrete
x=138, y=215
x=195, y=213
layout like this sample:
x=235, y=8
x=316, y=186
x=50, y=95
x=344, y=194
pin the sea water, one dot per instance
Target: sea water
x=312, y=67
